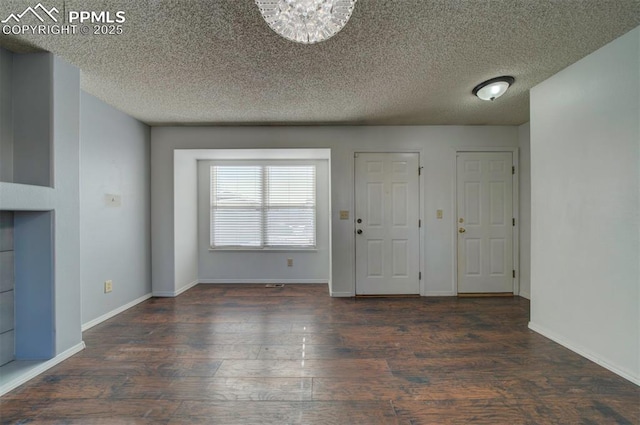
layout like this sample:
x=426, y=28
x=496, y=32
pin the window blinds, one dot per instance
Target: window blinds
x=263, y=206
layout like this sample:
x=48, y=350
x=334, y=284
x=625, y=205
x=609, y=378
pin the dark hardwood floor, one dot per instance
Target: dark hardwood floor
x=293, y=355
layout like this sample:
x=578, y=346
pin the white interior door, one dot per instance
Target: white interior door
x=485, y=222
x=386, y=212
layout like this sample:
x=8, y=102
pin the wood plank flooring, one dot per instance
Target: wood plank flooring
x=253, y=355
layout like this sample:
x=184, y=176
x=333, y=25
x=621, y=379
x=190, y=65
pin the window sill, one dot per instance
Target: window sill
x=263, y=249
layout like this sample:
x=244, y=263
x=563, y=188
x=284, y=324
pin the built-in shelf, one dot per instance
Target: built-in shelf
x=14, y=371
x=27, y=279
x=34, y=290
x=7, y=286
x=39, y=189
x=26, y=90
x=25, y=197
x=27, y=204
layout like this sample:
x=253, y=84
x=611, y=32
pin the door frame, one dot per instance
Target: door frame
x=421, y=200
x=516, y=211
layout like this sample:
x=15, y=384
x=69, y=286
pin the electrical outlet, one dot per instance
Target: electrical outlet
x=289, y=262
x=108, y=286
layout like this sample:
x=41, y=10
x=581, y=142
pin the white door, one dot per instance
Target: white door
x=386, y=212
x=485, y=222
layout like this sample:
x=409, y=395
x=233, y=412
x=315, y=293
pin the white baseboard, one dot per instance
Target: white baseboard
x=584, y=352
x=40, y=368
x=428, y=294
x=525, y=294
x=439, y=294
x=172, y=294
x=112, y=313
x=336, y=294
x=186, y=287
x=262, y=281
x=235, y=282
x=164, y=294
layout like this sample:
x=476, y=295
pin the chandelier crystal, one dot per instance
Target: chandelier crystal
x=306, y=21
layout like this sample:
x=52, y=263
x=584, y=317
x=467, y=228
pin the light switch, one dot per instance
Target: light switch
x=439, y=214
x=344, y=215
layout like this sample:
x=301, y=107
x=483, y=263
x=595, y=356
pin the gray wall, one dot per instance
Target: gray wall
x=40, y=191
x=33, y=117
x=114, y=239
x=65, y=139
x=35, y=330
x=7, y=285
x=60, y=149
x=585, y=206
x=6, y=116
x=437, y=145
x=220, y=266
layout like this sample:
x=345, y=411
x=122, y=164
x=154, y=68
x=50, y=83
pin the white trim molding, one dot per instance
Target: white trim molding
x=172, y=294
x=164, y=294
x=186, y=287
x=584, y=353
x=515, y=191
x=41, y=368
x=342, y=294
x=422, y=283
x=115, y=312
x=440, y=294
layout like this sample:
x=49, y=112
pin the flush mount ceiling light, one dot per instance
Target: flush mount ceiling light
x=306, y=21
x=493, y=88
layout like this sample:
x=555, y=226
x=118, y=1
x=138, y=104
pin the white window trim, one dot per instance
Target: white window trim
x=264, y=163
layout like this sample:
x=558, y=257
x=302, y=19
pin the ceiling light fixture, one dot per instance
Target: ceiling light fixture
x=306, y=21
x=493, y=88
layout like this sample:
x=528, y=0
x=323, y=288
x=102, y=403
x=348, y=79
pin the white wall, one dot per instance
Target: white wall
x=115, y=240
x=185, y=231
x=524, y=180
x=437, y=145
x=585, y=235
x=224, y=266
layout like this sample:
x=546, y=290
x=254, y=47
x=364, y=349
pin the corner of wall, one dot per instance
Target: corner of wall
x=115, y=236
x=524, y=181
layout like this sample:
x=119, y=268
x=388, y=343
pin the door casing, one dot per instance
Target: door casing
x=516, y=212
x=420, y=213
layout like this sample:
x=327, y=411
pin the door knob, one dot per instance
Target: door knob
x=359, y=231
x=462, y=230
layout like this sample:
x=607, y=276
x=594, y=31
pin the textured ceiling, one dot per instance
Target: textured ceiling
x=395, y=62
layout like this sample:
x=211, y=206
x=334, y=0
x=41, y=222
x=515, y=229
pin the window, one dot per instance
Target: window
x=260, y=205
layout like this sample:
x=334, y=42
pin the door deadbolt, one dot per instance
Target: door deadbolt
x=359, y=220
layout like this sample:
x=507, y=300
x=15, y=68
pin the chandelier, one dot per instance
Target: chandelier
x=306, y=21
